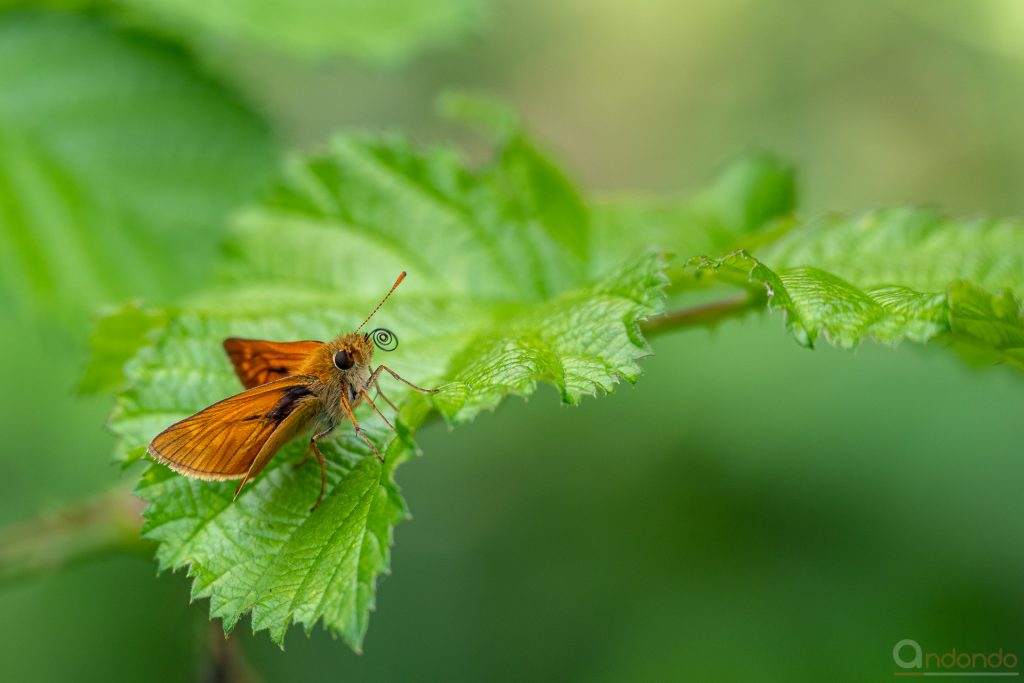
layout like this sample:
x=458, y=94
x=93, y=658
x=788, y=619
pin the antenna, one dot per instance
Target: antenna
x=401, y=277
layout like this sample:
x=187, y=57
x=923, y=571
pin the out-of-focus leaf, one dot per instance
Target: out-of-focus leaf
x=117, y=337
x=989, y=326
x=118, y=160
x=498, y=299
x=735, y=211
x=740, y=208
x=371, y=30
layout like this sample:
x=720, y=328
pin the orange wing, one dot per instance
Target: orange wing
x=236, y=437
x=258, y=362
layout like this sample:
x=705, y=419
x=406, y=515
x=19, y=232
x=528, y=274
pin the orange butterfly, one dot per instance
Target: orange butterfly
x=292, y=388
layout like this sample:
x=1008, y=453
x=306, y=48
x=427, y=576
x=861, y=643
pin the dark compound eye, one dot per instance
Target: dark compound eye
x=342, y=360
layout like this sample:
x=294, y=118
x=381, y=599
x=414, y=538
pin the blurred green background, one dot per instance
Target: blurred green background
x=750, y=511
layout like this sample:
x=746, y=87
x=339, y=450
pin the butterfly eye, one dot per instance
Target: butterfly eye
x=342, y=360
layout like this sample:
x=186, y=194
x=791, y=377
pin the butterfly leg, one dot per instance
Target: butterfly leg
x=380, y=392
x=355, y=425
x=362, y=392
x=309, y=451
x=394, y=374
x=320, y=457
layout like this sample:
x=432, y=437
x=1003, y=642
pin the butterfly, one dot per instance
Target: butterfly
x=292, y=388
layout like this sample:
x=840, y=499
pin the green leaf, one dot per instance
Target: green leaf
x=555, y=342
x=740, y=208
x=990, y=326
x=895, y=274
x=119, y=159
x=888, y=275
x=917, y=247
x=498, y=298
x=265, y=552
x=118, y=335
x=385, y=32
x=957, y=277
x=488, y=115
x=737, y=210
x=815, y=303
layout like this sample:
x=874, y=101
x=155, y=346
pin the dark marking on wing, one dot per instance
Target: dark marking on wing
x=286, y=405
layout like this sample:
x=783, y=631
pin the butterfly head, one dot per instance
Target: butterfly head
x=351, y=351
x=354, y=349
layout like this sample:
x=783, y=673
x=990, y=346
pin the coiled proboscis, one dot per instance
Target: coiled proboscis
x=384, y=339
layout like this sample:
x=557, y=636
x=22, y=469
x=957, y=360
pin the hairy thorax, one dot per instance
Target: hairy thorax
x=330, y=385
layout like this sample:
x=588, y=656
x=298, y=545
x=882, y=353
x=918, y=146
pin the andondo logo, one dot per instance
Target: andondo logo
x=913, y=660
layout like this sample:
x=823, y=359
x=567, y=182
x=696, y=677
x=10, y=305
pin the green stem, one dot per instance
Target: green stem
x=702, y=315
x=69, y=535
x=227, y=662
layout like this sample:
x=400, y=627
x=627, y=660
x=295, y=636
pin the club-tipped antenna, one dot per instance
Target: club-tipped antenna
x=401, y=276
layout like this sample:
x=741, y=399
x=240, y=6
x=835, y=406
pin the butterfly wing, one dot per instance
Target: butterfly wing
x=257, y=361
x=236, y=437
